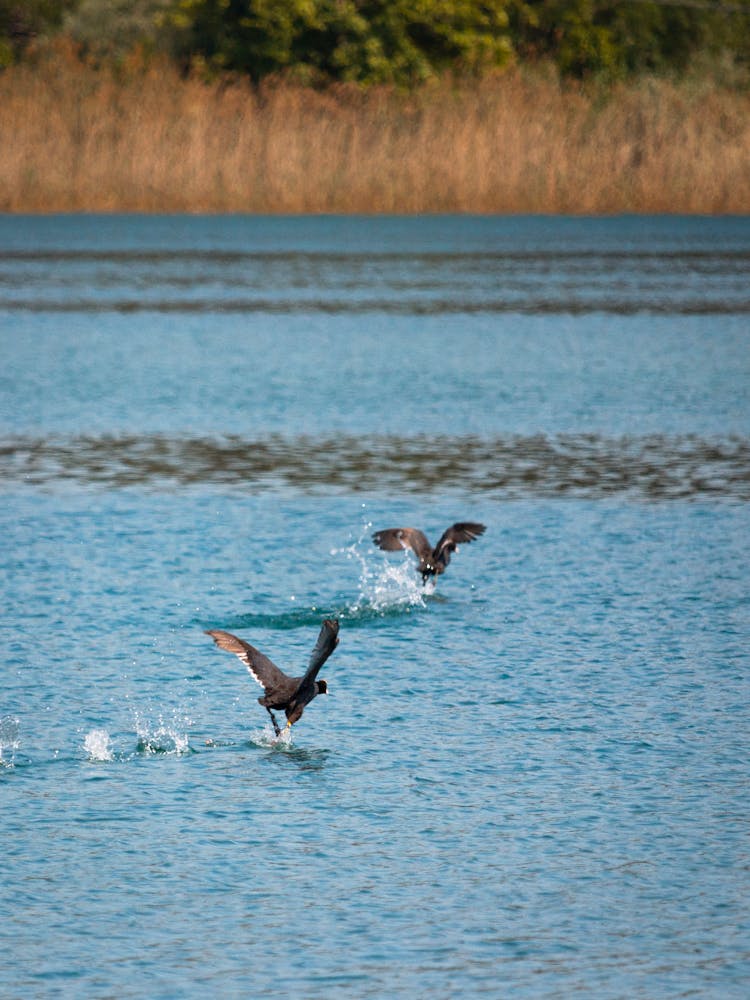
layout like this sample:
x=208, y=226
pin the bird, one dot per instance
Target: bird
x=432, y=562
x=292, y=694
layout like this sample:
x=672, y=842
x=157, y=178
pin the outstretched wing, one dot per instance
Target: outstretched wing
x=265, y=672
x=463, y=531
x=392, y=539
x=328, y=640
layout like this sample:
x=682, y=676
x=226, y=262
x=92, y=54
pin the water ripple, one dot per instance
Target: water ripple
x=539, y=305
x=653, y=467
x=575, y=281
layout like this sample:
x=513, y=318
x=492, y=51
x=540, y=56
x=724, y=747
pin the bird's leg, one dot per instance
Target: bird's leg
x=273, y=720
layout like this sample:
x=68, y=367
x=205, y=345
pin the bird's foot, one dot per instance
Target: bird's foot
x=275, y=723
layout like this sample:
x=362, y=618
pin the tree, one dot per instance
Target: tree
x=367, y=41
x=616, y=38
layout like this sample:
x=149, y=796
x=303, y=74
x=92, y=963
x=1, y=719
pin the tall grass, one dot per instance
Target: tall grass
x=143, y=139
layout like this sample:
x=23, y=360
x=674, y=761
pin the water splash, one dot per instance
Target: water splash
x=384, y=585
x=266, y=738
x=97, y=745
x=9, y=739
x=162, y=737
x=392, y=585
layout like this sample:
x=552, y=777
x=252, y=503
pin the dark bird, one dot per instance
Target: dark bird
x=290, y=693
x=432, y=562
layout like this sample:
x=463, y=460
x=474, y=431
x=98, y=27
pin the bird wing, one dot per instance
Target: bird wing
x=265, y=672
x=328, y=640
x=462, y=531
x=392, y=539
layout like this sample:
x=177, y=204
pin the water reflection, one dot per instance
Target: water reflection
x=536, y=281
x=304, y=760
x=588, y=465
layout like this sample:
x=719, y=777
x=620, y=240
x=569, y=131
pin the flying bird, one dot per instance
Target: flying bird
x=432, y=562
x=291, y=694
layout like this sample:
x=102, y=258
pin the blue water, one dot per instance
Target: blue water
x=529, y=781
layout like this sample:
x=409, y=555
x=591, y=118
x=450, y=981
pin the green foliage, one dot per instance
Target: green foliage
x=622, y=37
x=402, y=42
x=367, y=41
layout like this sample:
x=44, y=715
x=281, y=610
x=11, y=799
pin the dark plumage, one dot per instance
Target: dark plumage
x=432, y=562
x=291, y=694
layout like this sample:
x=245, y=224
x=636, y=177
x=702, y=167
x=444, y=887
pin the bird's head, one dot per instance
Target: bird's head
x=322, y=687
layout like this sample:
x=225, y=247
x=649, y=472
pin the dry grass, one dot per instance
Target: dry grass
x=76, y=139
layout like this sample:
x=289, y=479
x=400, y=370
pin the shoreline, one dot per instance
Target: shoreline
x=197, y=213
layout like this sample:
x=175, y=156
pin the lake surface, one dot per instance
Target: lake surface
x=530, y=780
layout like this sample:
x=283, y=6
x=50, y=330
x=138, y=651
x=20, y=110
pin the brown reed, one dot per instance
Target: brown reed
x=143, y=139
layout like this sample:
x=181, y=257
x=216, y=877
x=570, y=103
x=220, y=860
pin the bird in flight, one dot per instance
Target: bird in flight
x=432, y=562
x=292, y=694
